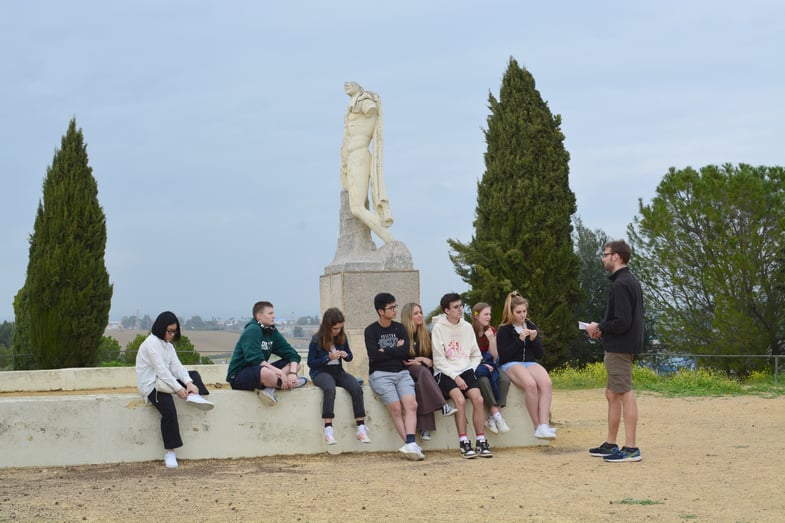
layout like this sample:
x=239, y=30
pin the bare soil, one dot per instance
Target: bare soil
x=704, y=459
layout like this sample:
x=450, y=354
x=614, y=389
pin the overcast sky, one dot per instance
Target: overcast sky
x=214, y=128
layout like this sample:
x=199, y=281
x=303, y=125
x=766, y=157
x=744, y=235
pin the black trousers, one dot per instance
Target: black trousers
x=170, y=428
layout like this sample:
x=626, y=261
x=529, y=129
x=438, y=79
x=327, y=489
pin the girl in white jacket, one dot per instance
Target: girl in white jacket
x=160, y=375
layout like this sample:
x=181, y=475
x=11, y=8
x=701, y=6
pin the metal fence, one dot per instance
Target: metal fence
x=670, y=362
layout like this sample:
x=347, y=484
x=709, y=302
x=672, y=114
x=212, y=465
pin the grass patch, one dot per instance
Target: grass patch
x=698, y=382
x=631, y=501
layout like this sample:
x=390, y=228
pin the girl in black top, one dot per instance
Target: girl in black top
x=519, y=347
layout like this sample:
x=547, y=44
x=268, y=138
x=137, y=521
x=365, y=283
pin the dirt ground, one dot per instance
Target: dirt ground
x=704, y=459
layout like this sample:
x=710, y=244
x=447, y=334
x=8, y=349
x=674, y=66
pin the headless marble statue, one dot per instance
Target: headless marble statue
x=361, y=170
x=361, y=167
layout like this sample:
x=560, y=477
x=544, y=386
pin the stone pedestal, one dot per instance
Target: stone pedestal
x=353, y=293
x=357, y=252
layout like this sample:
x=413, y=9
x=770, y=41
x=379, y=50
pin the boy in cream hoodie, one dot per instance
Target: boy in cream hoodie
x=455, y=356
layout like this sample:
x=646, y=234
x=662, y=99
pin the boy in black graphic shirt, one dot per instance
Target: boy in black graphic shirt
x=388, y=347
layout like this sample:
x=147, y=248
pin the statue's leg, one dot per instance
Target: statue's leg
x=357, y=189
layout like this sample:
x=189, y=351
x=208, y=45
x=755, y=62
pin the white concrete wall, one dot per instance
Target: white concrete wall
x=48, y=430
x=90, y=378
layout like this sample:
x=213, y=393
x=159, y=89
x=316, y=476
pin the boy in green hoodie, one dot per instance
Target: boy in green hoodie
x=249, y=368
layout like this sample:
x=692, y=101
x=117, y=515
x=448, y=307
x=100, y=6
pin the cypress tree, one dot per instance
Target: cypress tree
x=63, y=307
x=523, y=229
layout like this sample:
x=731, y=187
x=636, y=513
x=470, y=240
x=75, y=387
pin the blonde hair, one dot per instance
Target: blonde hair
x=514, y=299
x=422, y=335
x=476, y=310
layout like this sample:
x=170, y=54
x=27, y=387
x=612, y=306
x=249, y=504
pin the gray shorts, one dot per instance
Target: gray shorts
x=391, y=386
x=618, y=365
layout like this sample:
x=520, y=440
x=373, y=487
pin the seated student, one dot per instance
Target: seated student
x=328, y=348
x=429, y=395
x=159, y=375
x=388, y=347
x=455, y=356
x=494, y=383
x=519, y=347
x=249, y=368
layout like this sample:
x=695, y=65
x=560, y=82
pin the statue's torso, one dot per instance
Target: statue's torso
x=359, y=129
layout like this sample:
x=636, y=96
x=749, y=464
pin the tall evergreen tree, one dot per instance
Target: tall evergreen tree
x=63, y=307
x=522, y=225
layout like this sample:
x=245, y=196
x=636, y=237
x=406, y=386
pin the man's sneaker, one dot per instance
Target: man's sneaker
x=448, y=410
x=624, y=454
x=362, y=434
x=411, y=451
x=267, y=395
x=490, y=423
x=466, y=450
x=544, y=432
x=606, y=449
x=170, y=459
x=301, y=381
x=199, y=402
x=483, y=449
x=502, y=426
x=425, y=435
x=329, y=435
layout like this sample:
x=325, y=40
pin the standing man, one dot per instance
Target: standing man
x=621, y=331
x=249, y=368
x=361, y=167
x=455, y=356
x=388, y=347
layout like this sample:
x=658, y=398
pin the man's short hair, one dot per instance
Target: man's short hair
x=260, y=306
x=382, y=300
x=621, y=248
x=448, y=299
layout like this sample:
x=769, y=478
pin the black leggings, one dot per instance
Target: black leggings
x=170, y=428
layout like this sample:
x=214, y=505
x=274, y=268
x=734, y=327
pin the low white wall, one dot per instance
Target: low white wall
x=89, y=428
x=90, y=378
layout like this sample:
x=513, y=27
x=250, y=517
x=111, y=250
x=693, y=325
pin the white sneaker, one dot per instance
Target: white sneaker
x=362, y=434
x=301, y=381
x=502, y=426
x=492, y=425
x=544, y=432
x=170, y=459
x=267, y=395
x=329, y=435
x=412, y=452
x=199, y=402
x=425, y=435
x=448, y=410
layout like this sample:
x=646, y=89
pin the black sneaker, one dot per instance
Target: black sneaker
x=625, y=454
x=483, y=449
x=466, y=450
x=606, y=449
